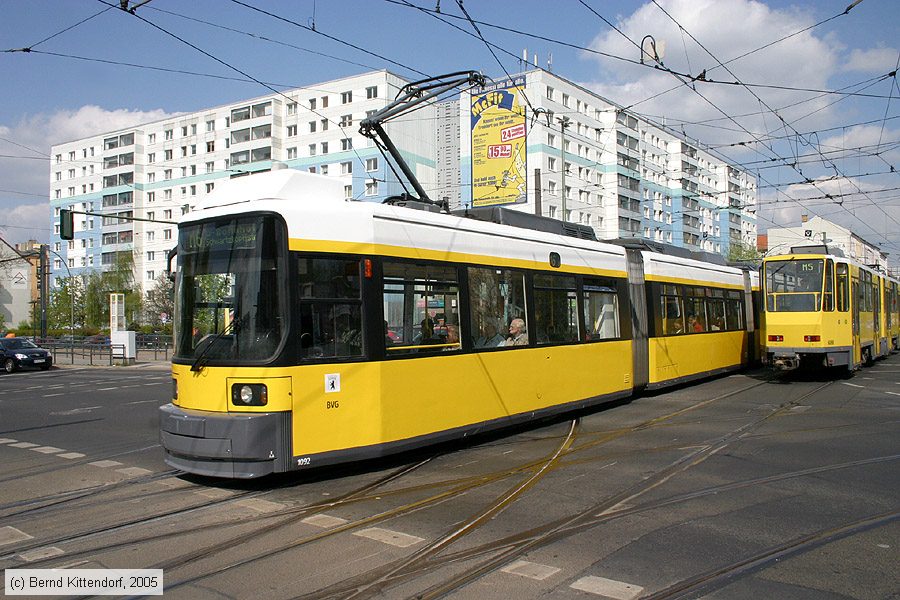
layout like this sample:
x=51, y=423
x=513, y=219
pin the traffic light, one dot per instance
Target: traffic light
x=66, y=224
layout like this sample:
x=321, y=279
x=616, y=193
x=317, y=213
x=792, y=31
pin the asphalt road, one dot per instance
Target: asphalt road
x=737, y=487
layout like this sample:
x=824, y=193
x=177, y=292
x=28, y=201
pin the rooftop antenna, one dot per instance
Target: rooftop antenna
x=550, y=62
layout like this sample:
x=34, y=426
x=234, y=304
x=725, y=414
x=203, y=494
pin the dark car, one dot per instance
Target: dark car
x=16, y=353
x=98, y=340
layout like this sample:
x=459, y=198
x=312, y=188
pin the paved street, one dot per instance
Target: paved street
x=739, y=487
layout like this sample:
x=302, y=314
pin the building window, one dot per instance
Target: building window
x=346, y=144
x=371, y=164
x=292, y=153
x=210, y=126
x=372, y=92
x=312, y=149
x=151, y=157
x=167, y=234
x=151, y=275
x=211, y=146
x=312, y=126
x=346, y=120
x=346, y=97
x=209, y=187
x=151, y=235
x=324, y=147
x=346, y=168
x=292, y=108
x=151, y=256
x=324, y=101
x=371, y=188
x=210, y=167
x=151, y=196
x=323, y=170
x=292, y=130
x=168, y=154
x=348, y=191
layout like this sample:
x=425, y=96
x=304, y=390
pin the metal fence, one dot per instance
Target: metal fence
x=90, y=350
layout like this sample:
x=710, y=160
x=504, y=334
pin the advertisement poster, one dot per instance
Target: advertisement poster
x=499, y=161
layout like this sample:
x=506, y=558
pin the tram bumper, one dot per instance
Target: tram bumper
x=785, y=361
x=241, y=446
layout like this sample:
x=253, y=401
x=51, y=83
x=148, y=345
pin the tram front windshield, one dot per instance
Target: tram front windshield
x=794, y=285
x=230, y=302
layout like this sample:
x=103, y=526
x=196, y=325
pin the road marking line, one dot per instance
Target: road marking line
x=140, y=402
x=41, y=553
x=71, y=455
x=133, y=471
x=260, y=505
x=386, y=536
x=107, y=389
x=51, y=395
x=892, y=393
x=530, y=570
x=608, y=587
x=11, y=535
x=24, y=445
x=75, y=411
x=47, y=450
x=103, y=464
x=324, y=521
x=852, y=384
x=7, y=441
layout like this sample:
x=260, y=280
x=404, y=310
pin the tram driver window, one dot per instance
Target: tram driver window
x=496, y=296
x=421, y=308
x=330, y=308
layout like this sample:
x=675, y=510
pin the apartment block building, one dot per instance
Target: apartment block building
x=158, y=171
x=622, y=175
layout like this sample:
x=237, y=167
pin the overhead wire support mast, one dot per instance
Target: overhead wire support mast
x=408, y=98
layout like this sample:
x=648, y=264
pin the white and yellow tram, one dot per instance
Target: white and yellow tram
x=311, y=330
x=826, y=310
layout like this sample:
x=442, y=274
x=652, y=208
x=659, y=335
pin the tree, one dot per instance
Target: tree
x=59, y=307
x=738, y=252
x=99, y=285
x=159, y=303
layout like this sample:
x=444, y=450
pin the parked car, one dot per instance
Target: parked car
x=98, y=340
x=17, y=352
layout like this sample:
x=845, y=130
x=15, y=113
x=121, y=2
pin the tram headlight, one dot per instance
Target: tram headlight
x=249, y=394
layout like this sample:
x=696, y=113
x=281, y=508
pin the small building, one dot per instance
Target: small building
x=18, y=285
x=816, y=231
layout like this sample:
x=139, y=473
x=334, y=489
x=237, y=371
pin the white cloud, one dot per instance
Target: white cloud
x=24, y=222
x=875, y=60
x=37, y=133
x=728, y=28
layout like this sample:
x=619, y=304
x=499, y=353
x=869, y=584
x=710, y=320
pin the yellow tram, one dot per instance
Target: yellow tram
x=311, y=330
x=826, y=310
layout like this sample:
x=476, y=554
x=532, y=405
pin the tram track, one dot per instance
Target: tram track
x=294, y=514
x=455, y=489
x=505, y=552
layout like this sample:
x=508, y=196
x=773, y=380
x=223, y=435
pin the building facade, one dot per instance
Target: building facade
x=620, y=174
x=18, y=283
x=157, y=171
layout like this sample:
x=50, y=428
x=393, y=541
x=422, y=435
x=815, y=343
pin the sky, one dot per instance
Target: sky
x=802, y=94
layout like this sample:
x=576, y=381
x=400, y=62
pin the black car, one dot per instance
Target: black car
x=17, y=352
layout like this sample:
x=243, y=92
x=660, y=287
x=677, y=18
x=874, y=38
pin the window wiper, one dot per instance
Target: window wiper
x=232, y=327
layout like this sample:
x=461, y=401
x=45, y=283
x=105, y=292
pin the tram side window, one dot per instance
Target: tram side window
x=330, y=308
x=421, y=307
x=601, y=309
x=695, y=305
x=828, y=296
x=555, y=309
x=671, y=310
x=496, y=296
x=843, y=288
x=734, y=311
x=715, y=308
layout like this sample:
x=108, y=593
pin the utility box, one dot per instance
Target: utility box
x=123, y=345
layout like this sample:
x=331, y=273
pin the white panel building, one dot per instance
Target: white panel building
x=624, y=176
x=157, y=171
